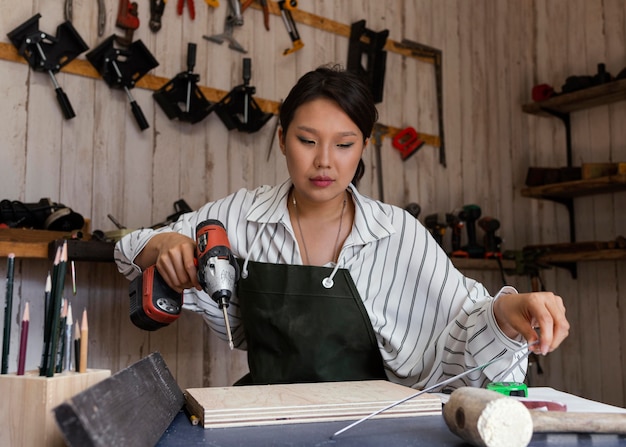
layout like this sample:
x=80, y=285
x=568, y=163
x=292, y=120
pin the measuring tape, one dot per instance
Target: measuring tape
x=509, y=388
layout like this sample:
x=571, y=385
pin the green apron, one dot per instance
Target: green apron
x=299, y=331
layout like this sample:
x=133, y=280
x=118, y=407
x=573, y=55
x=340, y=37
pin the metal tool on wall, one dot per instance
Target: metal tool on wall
x=181, y=97
x=122, y=67
x=377, y=140
x=365, y=42
x=47, y=53
x=238, y=109
x=156, y=13
x=286, y=6
x=233, y=18
x=68, y=12
x=421, y=50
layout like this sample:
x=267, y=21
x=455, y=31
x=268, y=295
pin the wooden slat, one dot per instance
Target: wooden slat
x=82, y=67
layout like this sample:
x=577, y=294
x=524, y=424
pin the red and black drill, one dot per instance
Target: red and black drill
x=153, y=304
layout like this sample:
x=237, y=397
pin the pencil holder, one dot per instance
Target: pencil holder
x=26, y=416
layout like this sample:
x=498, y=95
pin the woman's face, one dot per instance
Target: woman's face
x=323, y=147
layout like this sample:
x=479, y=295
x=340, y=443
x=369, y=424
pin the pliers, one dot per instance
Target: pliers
x=190, y=5
x=266, y=11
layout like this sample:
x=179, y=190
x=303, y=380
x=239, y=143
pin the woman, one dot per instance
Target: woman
x=338, y=286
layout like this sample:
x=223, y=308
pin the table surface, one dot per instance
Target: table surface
x=422, y=431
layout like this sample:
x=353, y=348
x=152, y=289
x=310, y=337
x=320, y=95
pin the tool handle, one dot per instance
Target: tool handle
x=572, y=422
x=64, y=102
x=247, y=71
x=191, y=56
x=139, y=116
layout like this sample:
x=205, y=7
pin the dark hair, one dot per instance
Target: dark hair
x=346, y=89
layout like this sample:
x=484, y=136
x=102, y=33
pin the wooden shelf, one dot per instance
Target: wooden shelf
x=577, y=188
x=482, y=264
x=581, y=99
x=597, y=255
x=41, y=244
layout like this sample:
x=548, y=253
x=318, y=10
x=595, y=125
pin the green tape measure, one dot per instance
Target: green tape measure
x=509, y=388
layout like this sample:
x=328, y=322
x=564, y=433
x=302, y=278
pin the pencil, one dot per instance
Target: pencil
x=76, y=346
x=57, y=299
x=67, y=361
x=61, y=339
x=46, y=300
x=84, y=341
x=8, y=309
x=21, y=361
x=47, y=334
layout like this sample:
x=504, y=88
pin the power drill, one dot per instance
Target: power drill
x=436, y=224
x=492, y=242
x=457, y=225
x=470, y=214
x=153, y=304
x=218, y=271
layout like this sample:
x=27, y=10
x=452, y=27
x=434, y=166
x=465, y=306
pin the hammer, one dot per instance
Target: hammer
x=486, y=418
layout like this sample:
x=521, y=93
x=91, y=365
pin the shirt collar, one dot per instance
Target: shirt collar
x=371, y=221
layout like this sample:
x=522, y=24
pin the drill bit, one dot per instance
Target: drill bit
x=231, y=345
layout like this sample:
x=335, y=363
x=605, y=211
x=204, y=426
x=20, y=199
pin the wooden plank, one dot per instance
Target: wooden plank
x=132, y=407
x=581, y=99
x=577, y=188
x=340, y=29
x=304, y=402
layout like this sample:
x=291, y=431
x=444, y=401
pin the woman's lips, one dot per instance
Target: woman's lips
x=322, y=181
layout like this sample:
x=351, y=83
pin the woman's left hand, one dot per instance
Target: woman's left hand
x=536, y=316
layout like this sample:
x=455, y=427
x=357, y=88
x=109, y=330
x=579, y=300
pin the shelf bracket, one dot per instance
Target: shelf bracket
x=565, y=118
x=569, y=206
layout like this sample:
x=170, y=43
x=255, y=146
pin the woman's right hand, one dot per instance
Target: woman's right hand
x=174, y=257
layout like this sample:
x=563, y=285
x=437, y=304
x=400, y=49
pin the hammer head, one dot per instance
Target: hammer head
x=487, y=418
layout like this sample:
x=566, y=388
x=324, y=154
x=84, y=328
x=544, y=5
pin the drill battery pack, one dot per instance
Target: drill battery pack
x=153, y=304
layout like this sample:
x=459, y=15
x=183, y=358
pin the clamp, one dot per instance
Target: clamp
x=233, y=18
x=286, y=6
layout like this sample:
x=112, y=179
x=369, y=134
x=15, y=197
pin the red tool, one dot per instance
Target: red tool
x=128, y=20
x=407, y=142
x=190, y=6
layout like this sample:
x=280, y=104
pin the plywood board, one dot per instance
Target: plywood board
x=304, y=402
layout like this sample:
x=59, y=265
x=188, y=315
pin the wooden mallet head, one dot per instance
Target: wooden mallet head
x=488, y=419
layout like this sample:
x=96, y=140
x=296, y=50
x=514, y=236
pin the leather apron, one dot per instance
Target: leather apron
x=299, y=331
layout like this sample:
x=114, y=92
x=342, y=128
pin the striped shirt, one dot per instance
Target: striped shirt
x=431, y=322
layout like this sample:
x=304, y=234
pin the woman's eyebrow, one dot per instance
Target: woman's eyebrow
x=347, y=133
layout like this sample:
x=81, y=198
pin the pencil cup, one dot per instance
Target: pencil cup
x=26, y=416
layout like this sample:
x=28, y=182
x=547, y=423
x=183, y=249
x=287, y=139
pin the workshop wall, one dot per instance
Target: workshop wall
x=100, y=163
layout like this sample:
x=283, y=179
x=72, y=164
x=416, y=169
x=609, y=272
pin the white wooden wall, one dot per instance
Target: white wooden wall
x=494, y=51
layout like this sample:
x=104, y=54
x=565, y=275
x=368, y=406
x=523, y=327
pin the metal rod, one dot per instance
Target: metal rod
x=425, y=390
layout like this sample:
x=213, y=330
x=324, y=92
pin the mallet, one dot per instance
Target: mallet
x=489, y=419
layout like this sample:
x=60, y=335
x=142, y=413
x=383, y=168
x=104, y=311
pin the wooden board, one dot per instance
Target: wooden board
x=133, y=407
x=304, y=402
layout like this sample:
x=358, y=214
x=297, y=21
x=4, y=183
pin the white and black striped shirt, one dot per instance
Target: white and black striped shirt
x=431, y=322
